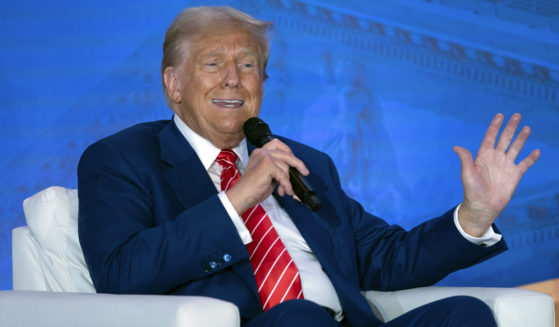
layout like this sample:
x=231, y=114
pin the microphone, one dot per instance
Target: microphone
x=258, y=133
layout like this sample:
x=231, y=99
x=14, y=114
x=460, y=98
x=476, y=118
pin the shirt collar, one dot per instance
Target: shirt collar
x=206, y=151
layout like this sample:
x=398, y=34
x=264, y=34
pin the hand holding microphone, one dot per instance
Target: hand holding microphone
x=258, y=133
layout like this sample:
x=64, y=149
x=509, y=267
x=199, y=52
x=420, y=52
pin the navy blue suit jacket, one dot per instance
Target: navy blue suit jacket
x=150, y=222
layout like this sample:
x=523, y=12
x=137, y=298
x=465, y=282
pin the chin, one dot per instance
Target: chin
x=232, y=125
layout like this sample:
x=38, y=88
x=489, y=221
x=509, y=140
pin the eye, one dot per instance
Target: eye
x=211, y=65
x=247, y=65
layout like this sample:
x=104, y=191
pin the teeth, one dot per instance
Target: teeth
x=228, y=102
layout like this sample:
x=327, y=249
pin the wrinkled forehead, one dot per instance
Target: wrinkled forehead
x=221, y=39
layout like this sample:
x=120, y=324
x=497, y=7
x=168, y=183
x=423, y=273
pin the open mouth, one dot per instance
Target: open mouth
x=228, y=103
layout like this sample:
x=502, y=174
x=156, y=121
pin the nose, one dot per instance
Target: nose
x=231, y=76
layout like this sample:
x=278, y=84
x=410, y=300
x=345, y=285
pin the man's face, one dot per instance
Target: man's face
x=220, y=86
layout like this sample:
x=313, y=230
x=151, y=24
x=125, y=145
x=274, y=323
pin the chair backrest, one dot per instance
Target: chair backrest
x=46, y=253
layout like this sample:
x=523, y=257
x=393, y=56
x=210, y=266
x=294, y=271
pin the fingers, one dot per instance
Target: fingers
x=506, y=136
x=466, y=159
x=518, y=143
x=508, y=133
x=263, y=173
x=491, y=133
x=529, y=161
x=267, y=168
x=283, y=153
x=279, y=173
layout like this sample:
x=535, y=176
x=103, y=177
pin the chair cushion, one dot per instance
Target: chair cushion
x=52, y=218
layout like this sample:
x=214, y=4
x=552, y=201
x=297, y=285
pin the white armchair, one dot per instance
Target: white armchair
x=52, y=286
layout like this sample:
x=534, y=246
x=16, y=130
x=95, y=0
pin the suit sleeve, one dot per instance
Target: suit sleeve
x=129, y=250
x=390, y=258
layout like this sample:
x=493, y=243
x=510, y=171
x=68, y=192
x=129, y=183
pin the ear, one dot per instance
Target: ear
x=172, y=84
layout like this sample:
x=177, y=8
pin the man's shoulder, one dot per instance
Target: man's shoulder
x=137, y=133
x=302, y=150
x=135, y=141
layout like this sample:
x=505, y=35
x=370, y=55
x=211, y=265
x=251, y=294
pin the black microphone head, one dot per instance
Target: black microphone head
x=257, y=131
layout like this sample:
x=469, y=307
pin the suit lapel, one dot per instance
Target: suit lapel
x=190, y=181
x=317, y=228
x=316, y=231
x=183, y=169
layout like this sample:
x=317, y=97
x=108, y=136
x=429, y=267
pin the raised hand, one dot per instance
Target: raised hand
x=490, y=180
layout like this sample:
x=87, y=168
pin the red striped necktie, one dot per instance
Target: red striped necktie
x=275, y=272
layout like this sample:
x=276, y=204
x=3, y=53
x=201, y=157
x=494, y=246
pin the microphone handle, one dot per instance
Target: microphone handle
x=303, y=190
x=300, y=185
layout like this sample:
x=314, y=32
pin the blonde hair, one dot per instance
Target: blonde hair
x=193, y=23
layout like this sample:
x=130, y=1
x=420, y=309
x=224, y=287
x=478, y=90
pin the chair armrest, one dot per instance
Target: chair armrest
x=36, y=308
x=511, y=306
x=27, y=271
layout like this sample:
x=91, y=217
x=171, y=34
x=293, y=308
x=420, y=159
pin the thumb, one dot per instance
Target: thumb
x=466, y=159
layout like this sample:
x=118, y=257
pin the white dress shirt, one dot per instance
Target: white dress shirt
x=316, y=285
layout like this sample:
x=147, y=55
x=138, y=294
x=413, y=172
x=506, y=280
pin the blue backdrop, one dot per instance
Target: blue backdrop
x=385, y=87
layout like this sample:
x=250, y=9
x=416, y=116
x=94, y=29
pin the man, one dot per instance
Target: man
x=178, y=207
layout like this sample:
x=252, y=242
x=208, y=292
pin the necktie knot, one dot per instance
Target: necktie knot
x=227, y=158
x=229, y=176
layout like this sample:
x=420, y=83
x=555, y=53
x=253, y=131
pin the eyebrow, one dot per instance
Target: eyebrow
x=216, y=52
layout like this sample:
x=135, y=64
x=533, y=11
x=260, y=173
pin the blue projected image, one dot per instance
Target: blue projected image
x=386, y=88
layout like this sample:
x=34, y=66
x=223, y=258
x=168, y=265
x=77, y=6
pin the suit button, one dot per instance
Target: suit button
x=227, y=257
x=213, y=264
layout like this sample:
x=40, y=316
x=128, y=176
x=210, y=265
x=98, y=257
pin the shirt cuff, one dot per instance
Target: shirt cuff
x=244, y=234
x=488, y=238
